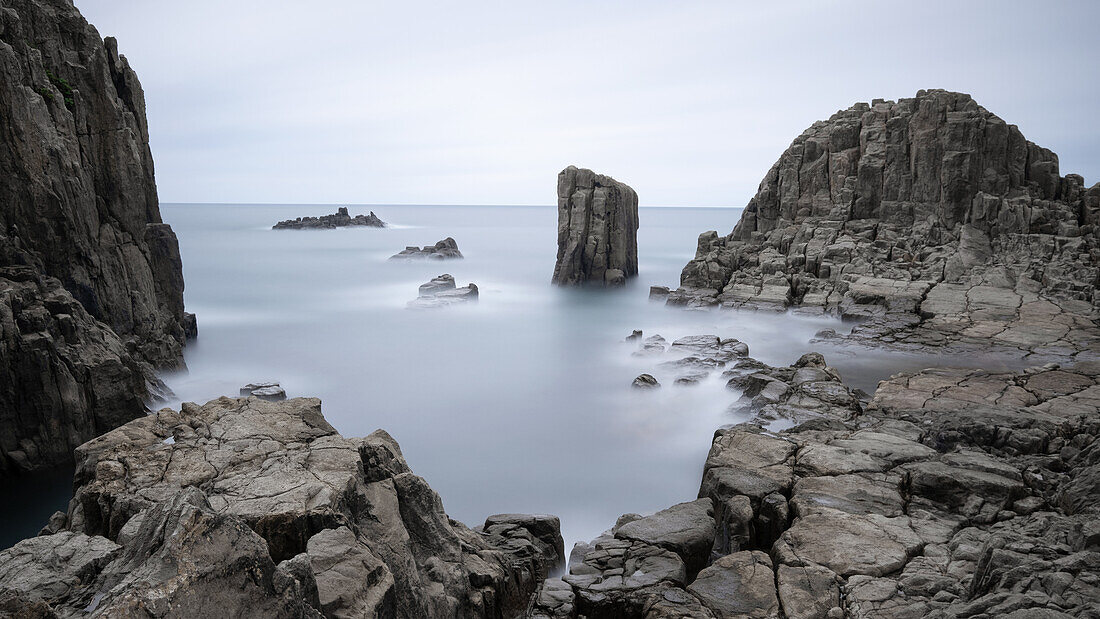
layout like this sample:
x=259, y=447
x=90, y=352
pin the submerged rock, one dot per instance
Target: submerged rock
x=260, y=508
x=597, y=229
x=91, y=281
x=443, y=250
x=931, y=220
x=339, y=219
x=441, y=292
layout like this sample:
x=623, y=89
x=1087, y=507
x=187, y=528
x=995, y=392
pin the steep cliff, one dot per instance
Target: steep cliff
x=932, y=218
x=81, y=223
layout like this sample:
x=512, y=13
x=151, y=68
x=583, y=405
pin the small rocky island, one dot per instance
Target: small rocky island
x=446, y=249
x=339, y=219
x=597, y=229
x=441, y=292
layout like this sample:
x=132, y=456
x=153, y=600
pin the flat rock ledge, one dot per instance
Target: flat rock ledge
x=952, y=493
x=339, y=219
x=930, y=220
x=441, y=292
x=244, y=507
x=447, y=249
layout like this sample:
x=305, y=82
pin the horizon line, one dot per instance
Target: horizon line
x=384, y=204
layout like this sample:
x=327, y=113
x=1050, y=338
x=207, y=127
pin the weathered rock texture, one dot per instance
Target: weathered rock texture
x=597, y=229
x=339, y=219
x=91, y=284
x=441, y=292
x=244, y=507
x=952, y=493
x=931, y=218
x=443, y=250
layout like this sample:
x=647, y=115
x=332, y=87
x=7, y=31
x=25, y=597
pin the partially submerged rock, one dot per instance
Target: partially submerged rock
x=441, y=291
x=261, y=509
x=597, y=230
x=443, y=250
x=339, y=219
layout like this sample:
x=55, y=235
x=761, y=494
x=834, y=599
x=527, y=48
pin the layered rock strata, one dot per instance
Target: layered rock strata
x=952, y=493
x=243, y=507
x=443, y=250
x=81, y=225
x=597, y=229
x=441, y=292
x=931, y=219
x=339, y=219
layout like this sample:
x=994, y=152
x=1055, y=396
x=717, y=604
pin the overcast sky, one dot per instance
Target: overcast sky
x=484, y=102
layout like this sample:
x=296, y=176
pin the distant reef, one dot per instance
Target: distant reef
x=339, y=219
x=91, y=281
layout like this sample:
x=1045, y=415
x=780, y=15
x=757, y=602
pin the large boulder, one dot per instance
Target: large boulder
x=597, y=229
x=251, y=507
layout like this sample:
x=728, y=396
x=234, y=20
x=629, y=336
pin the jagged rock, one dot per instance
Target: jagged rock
x=339, y=219
x=686, y=529
x=645, y=381
x=636, y=335
x=271, y=391
x=597, y=229
x=930, y=219
x=441, y=292
x=739, y=585
x=81, y=215
x=443, y=250
x=261, y=508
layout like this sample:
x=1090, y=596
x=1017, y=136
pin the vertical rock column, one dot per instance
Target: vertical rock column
x=597, y=229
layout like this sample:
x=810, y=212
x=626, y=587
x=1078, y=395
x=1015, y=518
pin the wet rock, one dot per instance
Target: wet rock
x=645, y=381
x=447, y=249
x=597, y=230
x=441, y=292
x=339, y=219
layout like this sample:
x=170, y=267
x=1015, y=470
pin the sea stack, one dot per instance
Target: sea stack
x=597, y=229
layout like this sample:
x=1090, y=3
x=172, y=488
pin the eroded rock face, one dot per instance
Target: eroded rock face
x=930, y=218
x=81, y=215
x=339, y=219
x=260, y=508
x=597, y=229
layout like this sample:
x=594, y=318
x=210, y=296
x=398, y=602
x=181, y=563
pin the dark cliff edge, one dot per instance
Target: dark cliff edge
x=91, y=281
x=932, y=220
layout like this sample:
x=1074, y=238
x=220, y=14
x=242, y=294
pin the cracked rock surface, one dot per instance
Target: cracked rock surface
x=258, y=508
x=597, y=229
x=930, y=219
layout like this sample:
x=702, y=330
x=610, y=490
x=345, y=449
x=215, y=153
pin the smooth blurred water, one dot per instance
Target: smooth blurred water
x=521, y=402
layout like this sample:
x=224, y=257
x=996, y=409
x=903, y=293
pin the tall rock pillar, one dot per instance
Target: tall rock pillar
x=597, y=229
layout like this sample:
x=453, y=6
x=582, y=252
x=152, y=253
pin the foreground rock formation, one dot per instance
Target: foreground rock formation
x=91, y=284
x=597, y=229
x=441, y=292
x=243, y=507
x=443, y=250
x=339, y=219
x=951, y=493
x=931, y=219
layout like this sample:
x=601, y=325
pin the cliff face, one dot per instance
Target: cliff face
x=80, y=221
x=931, y=216
x=597, y=229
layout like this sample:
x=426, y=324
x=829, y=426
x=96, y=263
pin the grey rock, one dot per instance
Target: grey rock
x=270, y=391
x=441, y=292
x=645, y=381
x=447, y=249
x=687, y=529
x=739, y=585
x=597, y=230
x=339, y=219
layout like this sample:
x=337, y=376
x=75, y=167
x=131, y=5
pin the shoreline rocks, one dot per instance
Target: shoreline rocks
x=930, y=220
x=447, y=249
x=257, y=507
x=441, y=292
x=81, y=226
x=597, y=230
x=339, y=219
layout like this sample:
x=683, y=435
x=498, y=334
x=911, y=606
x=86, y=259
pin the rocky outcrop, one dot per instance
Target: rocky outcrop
x=443, y=250
x=931, y=219
x=441, y=292
x=597, y=229
x=339, y=219
x=243, y=507
x=952, y=493
x=81, y=225
x=268, y=390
